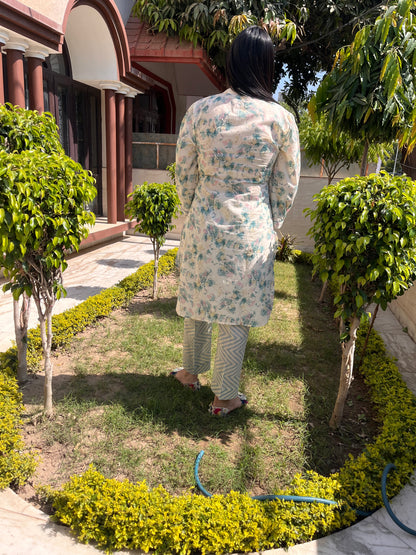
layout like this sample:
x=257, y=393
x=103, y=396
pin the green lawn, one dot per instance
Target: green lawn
x=116, y=407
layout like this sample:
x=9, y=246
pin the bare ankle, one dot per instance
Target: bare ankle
x=223, y=402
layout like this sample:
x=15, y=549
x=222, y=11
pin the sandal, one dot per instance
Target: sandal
x=223, y=411
x=195, y=386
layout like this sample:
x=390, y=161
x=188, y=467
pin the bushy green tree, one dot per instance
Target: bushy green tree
x=365, y=244
x=334, y=149
x=212, y=24
x=42, y=219
x=322, y=146
x=371, y=91
x=154, y=205
x=20, y=130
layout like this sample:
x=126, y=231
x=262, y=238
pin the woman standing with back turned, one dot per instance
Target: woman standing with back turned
x=237, y=173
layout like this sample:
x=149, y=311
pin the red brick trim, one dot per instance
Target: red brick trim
x=27, y=22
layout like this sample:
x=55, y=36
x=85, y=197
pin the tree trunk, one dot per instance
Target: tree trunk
x=21, y=320
x=321, y=296
x=347, y=367
x=408, y=163
x=367, y=337
x=45, y=323
x=363, y=168
x=156, y=252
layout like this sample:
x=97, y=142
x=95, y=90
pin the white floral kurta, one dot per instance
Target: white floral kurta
x=237, y=173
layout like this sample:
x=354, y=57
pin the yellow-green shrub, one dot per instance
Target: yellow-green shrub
x=16, y=465
x=396, y=406
x=121, y=515
x=302, y=257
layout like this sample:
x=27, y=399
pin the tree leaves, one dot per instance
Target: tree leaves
x=365, y=239
x=42, y=214
x=154, y=205
x=380, y=64
x=213, y=24
x=333, y=149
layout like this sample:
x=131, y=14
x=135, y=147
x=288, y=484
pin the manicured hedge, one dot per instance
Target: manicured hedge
x=16, y=465
x=122, y=515
x=396, y=443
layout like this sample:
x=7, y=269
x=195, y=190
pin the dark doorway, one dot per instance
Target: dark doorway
x=77, y=110
x=150, y=113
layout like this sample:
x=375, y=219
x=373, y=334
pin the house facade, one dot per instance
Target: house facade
x=108, y=81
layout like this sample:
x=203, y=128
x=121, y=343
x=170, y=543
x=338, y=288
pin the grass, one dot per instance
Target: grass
x=116, y=408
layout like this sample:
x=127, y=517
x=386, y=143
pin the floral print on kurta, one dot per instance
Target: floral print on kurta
x=237, y=172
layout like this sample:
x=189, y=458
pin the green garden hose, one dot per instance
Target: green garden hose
x=386, y=502
x=301, y=499
x=297, y=498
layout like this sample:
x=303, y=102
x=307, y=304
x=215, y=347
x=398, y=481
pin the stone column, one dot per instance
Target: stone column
x=121, y=154
x=35, y=78
x=111, y=150
x=3, y=39
x=15, y=72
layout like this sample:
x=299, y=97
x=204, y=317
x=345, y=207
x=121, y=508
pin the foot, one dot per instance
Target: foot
x=186, y=378
x=223, y=407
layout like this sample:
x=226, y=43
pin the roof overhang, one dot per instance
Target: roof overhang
x=95, y=35
x=194, y=73
x=29, y=23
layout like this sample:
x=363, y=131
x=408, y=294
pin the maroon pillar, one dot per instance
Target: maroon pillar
x=111, y=151
x=129, y=145
x=1, y=78
x=15, y=77
x=3, y=39
x=35, y=78
x=121, y=157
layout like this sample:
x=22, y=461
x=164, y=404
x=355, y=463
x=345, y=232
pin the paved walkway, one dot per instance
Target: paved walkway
x=88, y=273
x=24, y=529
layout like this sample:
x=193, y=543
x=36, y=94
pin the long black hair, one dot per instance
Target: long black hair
x=250, y=64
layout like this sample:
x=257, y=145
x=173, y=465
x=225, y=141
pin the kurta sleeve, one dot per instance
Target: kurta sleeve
x=186, y=173
x=285, y=174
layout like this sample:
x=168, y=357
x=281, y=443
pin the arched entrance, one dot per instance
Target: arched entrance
x=102, y=90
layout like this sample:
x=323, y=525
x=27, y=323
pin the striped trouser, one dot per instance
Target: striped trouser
x=231, y=346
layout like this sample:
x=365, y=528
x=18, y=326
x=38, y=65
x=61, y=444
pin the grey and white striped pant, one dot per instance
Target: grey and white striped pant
x=231, y=346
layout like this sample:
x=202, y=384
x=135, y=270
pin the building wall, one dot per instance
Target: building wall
x=404, y=308
x=297, y=224
x=152, y=176
x=53, y=9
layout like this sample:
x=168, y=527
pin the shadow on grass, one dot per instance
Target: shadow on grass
x=316, y=360
x=158, y=399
